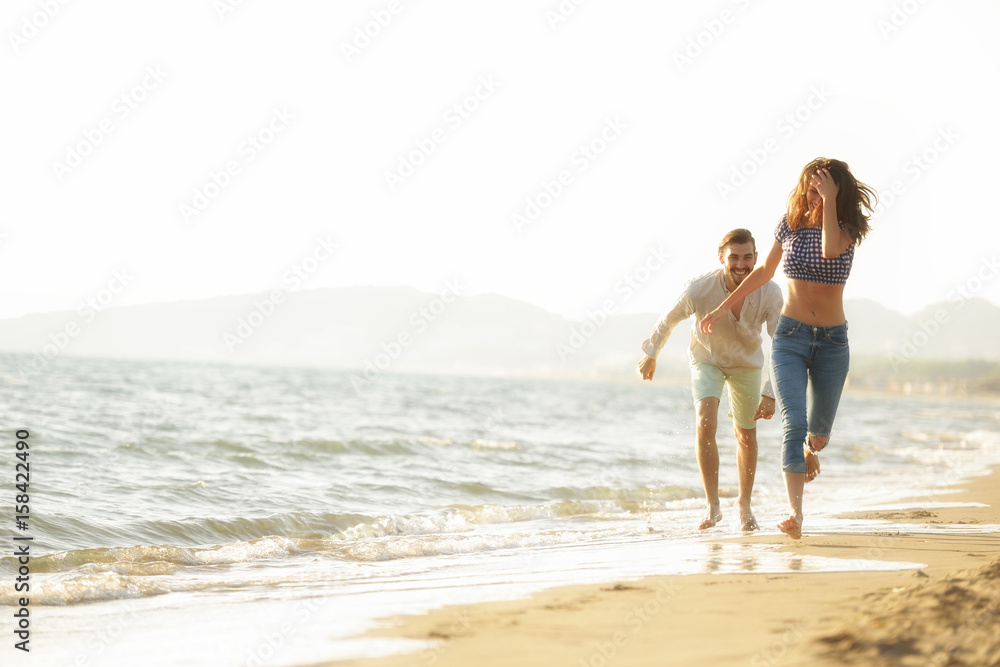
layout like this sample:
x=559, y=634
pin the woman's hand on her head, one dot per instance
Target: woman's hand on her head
x=824, y=184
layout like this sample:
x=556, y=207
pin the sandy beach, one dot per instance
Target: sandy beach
x=944, y=613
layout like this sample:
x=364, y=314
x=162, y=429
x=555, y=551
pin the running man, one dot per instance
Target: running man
x=731, y=354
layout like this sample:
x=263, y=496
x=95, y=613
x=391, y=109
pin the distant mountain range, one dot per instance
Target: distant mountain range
x=377, y=329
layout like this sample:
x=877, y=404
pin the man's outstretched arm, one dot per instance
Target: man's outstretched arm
x=682, y=310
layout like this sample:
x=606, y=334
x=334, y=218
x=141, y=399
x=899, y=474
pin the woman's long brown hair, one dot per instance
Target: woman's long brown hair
x=851, y=197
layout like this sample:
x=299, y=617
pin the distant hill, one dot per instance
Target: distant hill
x=958, y=330
x=401, y=328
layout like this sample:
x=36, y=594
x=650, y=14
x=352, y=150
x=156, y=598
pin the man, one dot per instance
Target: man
x=733, y=355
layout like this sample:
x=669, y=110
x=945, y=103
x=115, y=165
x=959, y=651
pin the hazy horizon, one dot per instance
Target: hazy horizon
x=668, y=301
x=378, y=329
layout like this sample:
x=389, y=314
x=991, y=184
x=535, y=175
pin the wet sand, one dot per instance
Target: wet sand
x=946, y=613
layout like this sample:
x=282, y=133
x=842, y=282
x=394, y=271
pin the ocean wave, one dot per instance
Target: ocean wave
x=949, y=450
x=92, y=575
x=371, y=447
x=932, y=437
x=984, y=439
x=87, y=588
x=475, y=443
x=412, y=546
x=203, y=542
x=642, y=493
x=160, y=559
x=460, y=518
x=117, y=573
x=63, y=531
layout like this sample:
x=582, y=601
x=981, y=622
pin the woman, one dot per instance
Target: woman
x=817, y=236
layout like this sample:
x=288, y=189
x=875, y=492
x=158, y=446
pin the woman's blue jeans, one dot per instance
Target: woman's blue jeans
x=809, y=367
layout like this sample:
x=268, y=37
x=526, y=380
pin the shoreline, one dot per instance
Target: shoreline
x=746, y=618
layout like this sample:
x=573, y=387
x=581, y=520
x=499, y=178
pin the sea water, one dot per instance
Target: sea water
x=200, y=514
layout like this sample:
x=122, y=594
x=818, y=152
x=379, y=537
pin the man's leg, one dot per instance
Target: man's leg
x=706, y=388
x=707, y=413
x=746, y=461
x=744, y=397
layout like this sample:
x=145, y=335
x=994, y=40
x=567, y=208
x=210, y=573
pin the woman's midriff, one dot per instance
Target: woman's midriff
x=818, y=304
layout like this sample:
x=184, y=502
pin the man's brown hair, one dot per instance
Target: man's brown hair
x=737, y=236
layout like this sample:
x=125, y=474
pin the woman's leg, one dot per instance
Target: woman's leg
x=789, y=372
x=827, y=376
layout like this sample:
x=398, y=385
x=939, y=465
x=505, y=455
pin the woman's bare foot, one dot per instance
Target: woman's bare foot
x=712, y=517
x=812, y=464
x=792, y=526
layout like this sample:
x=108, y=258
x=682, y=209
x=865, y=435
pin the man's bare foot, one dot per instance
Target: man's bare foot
x=749, y=523
x=712, y=517
x=792, y=526
x=812, y=464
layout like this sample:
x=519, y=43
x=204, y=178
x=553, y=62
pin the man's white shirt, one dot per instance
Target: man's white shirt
x=734, y=346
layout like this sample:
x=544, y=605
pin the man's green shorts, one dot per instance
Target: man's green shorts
x=744, y=390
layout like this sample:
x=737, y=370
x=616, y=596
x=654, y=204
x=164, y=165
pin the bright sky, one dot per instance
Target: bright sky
x=212, y=147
